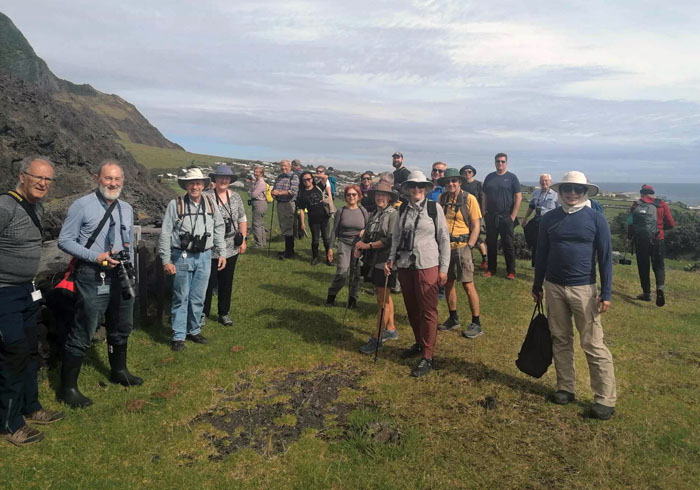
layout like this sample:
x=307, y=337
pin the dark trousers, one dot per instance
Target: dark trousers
x=19, y=358
x=650, y=252
x=90, y=307
x=500, y=224
x=223, y=281
x=420, y=295
x=319, y=229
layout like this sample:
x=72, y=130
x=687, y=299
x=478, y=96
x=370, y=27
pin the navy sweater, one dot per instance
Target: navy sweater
x=567, y=247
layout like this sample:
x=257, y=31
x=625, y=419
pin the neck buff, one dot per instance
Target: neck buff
x=569, y=209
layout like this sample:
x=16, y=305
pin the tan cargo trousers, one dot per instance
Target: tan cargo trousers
x=581, y=303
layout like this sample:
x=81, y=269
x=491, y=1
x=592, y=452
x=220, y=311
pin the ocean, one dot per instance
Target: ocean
x=686, y=193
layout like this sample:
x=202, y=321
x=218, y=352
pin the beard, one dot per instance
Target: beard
x=109, y=194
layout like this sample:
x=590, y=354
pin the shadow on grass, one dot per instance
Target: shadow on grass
x=629, y=299
x=312, y=327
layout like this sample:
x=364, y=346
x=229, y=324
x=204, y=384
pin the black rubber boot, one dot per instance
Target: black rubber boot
x=69, y=392
x=330, y=300
x=352, y=302
x=117, y=361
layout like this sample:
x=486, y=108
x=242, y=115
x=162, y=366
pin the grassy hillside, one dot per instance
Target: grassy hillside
x=153, y=157
x=284, y=400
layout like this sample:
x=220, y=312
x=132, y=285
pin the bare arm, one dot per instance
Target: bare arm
x=516, y=205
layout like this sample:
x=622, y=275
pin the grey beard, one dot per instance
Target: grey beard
x=109, y=195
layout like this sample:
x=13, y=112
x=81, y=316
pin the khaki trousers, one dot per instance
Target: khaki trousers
x=581, y=303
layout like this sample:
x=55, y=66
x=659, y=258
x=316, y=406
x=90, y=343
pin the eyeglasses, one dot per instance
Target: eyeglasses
x=414, y=185
x=578, y=189
x=468, y=171
x=366, y=178
x=306, y=180
x=47, y=180
x=438, y=171
x=351, y=194
x=500, y=161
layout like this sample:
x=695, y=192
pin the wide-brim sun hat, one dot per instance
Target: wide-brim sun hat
x=417, y=177
x=577, y=178
x=451, y=173
x=223, y=171
x=193, y=174
x=383, y=186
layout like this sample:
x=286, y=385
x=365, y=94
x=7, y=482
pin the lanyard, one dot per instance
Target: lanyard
x=227, y=207
x=193, y=223
x=405, y=215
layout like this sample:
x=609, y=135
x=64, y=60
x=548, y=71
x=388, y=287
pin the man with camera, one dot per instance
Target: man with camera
x=98, y=233
x=20, y=251
x=192, y=227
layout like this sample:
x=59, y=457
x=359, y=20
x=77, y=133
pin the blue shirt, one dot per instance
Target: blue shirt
x=543, y=203
x=567, y=248
x=82, y=219
x=435, y=193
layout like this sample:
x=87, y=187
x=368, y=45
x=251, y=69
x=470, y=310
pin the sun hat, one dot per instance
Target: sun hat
x=646, y=189
x=223, y=171
x=467, y=167
x=577, y=178
x=193, y=173
x=417, y=177
x=451, y=173
x=384, y=186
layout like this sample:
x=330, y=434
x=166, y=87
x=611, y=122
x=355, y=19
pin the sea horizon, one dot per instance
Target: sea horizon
x=675, y=192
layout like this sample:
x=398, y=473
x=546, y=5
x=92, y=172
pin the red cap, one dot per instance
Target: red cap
x=646, y=189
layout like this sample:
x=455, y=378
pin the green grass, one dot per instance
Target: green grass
x=154, y=157
x=448, y=439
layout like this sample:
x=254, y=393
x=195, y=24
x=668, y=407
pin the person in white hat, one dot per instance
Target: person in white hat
x=420, y=248
x=192, y=228
x=570, y=240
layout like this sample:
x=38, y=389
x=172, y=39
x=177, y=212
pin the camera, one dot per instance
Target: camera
x=126, y=274
x=199, y=242
x=185, y=239
x=229, y=227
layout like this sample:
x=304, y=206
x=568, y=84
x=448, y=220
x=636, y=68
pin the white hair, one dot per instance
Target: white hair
x=546, y=176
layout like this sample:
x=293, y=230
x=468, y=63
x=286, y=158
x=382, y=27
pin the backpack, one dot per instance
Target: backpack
x=462, y=203
x=208, y=205
x=535, y=355
x=268, y=193
x=432, y=212
x=333, y=182
x=644, y=221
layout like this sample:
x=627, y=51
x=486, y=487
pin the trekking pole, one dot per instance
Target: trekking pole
x=381, y=318
x=269, y=235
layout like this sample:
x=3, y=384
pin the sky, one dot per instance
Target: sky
x=608, y=88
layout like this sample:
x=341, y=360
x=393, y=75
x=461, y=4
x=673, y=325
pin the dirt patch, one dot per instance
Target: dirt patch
x=135, y=405
x=289, y=403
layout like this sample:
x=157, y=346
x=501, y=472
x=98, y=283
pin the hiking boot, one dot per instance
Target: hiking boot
x=484, y=265
x=562, y=397
x=601, y=412
x=449, y=324
x=510, y=276
x=119, y=374
x=413, y=351
x=315, y=261
x=660, y=298
x=371, y=346
x=225, y=320
x=423, y=368
x=644, y=297
x=69, y=392
x=472, y=331
x=23, y=436
x=352, y=303
x=330, y=300
x=177, y=345
x=390, y=335
x=197, y=339
x=281, y=256
x=44, y=417
x=487, y=274
x=329, y=263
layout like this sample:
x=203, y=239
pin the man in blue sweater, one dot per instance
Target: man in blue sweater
x=570, y=239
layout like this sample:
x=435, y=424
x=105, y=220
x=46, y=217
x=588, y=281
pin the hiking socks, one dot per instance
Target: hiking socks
x=475, y=319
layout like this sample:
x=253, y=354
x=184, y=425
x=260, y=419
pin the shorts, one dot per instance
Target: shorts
x=377, y=278
x=461, y=265
x=479, y=241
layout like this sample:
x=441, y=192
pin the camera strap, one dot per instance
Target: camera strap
x=227, y=207
x=28, y=208
x=108, y=214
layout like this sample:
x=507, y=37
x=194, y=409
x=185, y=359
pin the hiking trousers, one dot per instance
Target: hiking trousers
x=419, y=288
x=500, y=224
x=286, y=215
x=581, y=304
x=222, y=280
x=319, y=229
x=345, y=262
x=650, y=252
x=259, y=210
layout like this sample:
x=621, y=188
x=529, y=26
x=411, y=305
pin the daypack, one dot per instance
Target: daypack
x=644, y=221
x=535, y=355
x=432, y=212
x=268, y=193
x=462, y=203
x=208, y=205
x=333, y=182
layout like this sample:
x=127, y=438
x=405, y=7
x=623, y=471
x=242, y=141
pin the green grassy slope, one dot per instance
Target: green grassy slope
x=153, y=157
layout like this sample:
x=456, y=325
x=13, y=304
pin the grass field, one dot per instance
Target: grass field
x=287, y=386
x=154, y=157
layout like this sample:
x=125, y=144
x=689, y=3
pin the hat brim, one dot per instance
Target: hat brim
x=182, y=182
x=394, y=195
x=233, y=177
x=592, y=188
x=442, y=181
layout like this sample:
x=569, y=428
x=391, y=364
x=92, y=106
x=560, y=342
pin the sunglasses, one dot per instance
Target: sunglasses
x=468, y=171
x=438, y=171
x=454, y=181
x=351, y=194
x=578, y=189
x=414, y=185
x=500, y=161
x=366, y=178
x=306, y=180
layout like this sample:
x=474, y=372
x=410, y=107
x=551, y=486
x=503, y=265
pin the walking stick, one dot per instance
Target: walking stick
x=269, y=236
x=381, y=318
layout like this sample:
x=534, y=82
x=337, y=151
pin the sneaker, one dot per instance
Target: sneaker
x=177, y=345
x=413, y=351
x=510, y=276
x=601, y=412
x=352, y=303
x=225, y=320
x=23, y=436
x=487, y=274
x=660, y=298
x=472, y=331
x=371, y=346
x=198, y=339
x=484, y=265
x=315, y=261
x=423, y=368
x=449, y=324
x=644, y=297
x=203, y=321
x=562, y=397
x=390, y=335
x=396, y=289
x=44, y=417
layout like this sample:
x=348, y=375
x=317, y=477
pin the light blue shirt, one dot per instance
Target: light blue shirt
x=545, y=202
x=82, y=219
x=435, y=193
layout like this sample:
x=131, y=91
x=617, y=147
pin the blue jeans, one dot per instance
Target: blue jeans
x=189, y=289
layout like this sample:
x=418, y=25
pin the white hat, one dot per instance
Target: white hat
x=193, y=173
x=418, y=177
x=578, y=178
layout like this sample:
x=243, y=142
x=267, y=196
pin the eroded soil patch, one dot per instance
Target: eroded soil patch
x=268, y=416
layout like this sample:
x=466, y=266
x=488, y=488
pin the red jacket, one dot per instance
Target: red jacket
x=664, y=219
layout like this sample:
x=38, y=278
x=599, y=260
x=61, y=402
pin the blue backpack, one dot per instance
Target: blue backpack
x=333, y=182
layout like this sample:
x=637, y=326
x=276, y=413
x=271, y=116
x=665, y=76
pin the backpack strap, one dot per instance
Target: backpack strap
x=27, y=208
x=180, y=207
x=432, y=212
